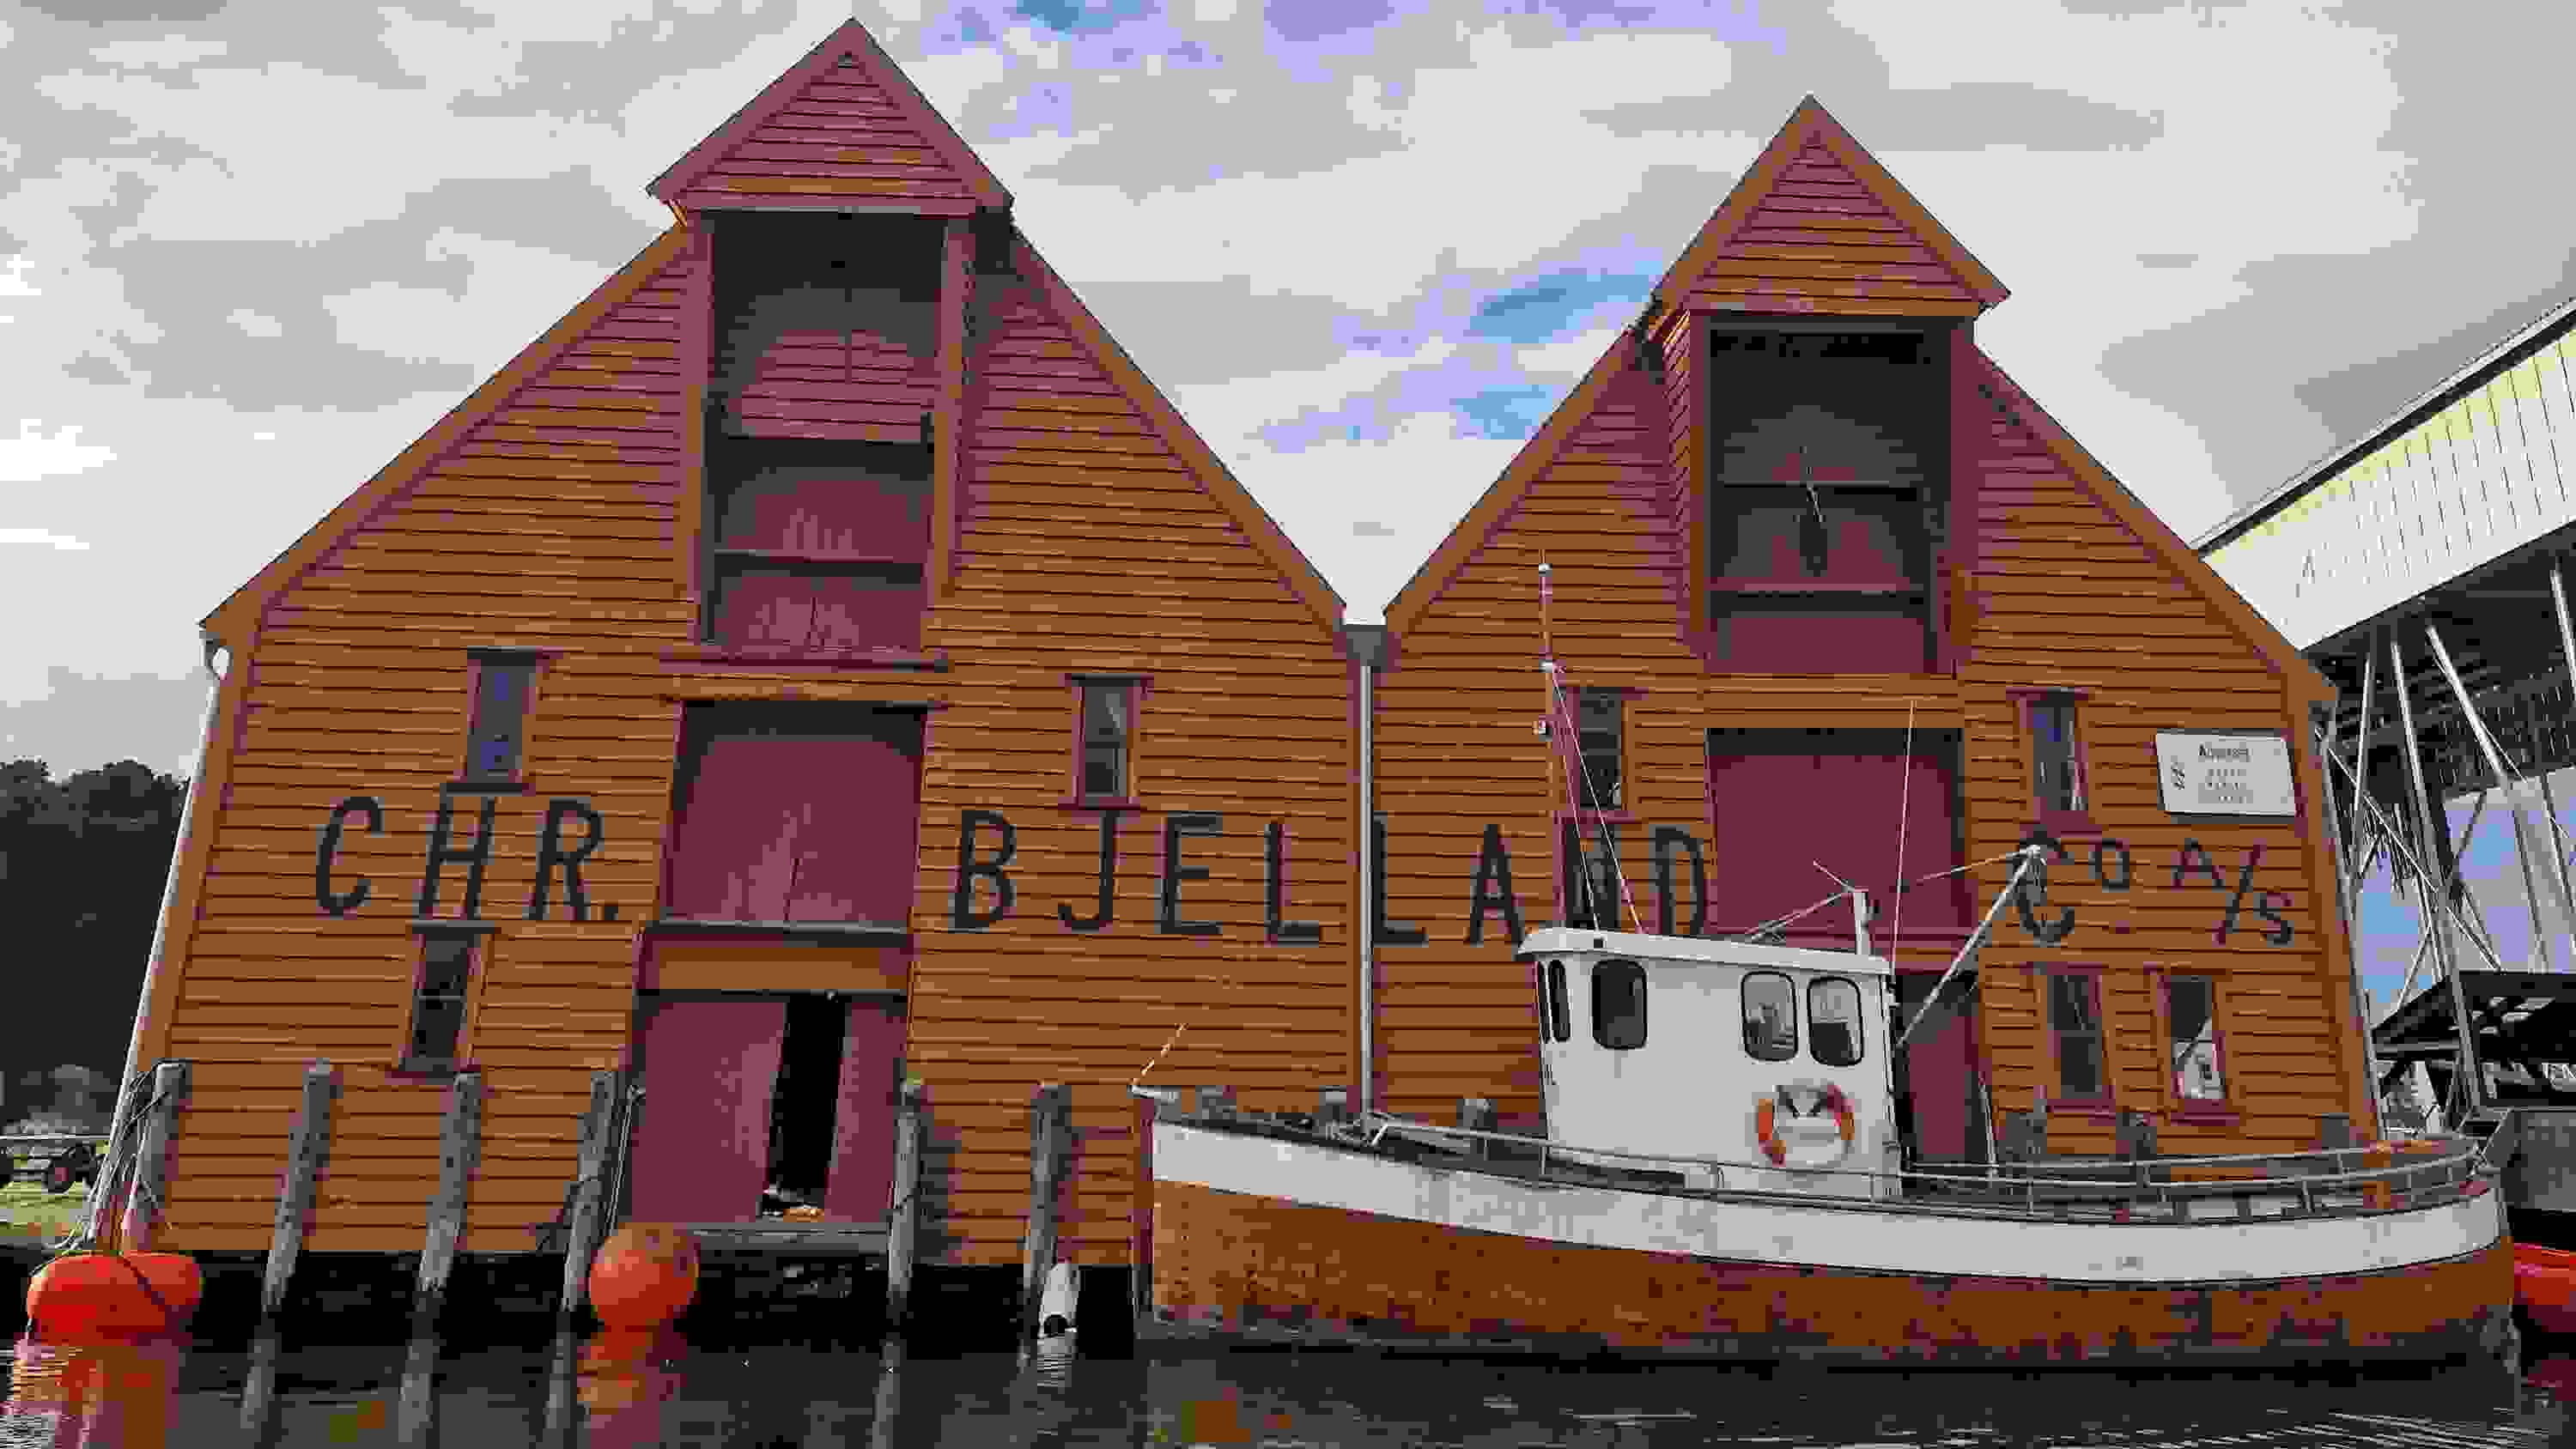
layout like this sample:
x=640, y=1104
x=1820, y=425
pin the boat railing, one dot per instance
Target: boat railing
x=2320, y=1181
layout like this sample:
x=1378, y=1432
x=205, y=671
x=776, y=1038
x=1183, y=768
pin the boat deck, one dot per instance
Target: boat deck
x=2335, y=1183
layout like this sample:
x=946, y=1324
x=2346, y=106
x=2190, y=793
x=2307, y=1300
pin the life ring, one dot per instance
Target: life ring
x=1766, y=1126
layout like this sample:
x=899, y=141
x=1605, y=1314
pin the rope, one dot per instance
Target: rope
x=1904, y=798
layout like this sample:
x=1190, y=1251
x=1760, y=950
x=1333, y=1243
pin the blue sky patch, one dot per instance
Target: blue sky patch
x=1556, y=305
x=1077, y=17
x=1505, y=412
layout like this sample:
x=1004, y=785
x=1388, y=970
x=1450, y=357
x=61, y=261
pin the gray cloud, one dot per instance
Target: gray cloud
x=82, y=722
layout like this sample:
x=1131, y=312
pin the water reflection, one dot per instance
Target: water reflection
x=659, y=1390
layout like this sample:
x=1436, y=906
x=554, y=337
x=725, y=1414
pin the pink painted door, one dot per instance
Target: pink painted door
x=863, y=1125
x=702, y=1142
x=1940, y=1072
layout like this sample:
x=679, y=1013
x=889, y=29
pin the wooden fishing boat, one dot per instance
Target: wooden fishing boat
x=1727, y=1181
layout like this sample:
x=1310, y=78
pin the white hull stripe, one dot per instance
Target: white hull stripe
x=1850, y=1237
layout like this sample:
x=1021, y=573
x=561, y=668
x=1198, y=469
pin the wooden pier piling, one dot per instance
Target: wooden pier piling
x=460, y=1149
x=581, y=1243
x=308, y=1149
x=151, y=1173
x=903, y=1213
x=1050, y=1146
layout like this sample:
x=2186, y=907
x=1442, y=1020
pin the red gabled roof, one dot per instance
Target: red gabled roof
x=842, y=129
x=1817, y=225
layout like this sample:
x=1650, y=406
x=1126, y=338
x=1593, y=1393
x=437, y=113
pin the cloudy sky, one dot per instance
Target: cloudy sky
x=249, y=251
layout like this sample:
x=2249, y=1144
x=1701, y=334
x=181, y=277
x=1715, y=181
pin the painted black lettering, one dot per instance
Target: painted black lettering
x=1108, y=902
x=1175, y=827
x=550, y=854
x=341, y=905
x=2195, y=856
x=1493, y=888
x=474, y=857
x=2034, y=893
x=961, y=913
x=2236, y=902
x=1283, y=932
x=2270, y=908
x=2128, y=868
x=1388, y=933
x=1666, y=837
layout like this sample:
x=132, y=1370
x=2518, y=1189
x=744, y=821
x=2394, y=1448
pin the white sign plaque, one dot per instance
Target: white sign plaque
x=2225, y=774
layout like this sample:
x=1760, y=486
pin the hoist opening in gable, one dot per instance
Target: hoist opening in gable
x=1827, y=497
x=820, y=402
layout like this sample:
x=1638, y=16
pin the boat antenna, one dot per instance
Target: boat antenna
x=1570, y=753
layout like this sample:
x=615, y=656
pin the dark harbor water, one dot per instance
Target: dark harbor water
x=756, y=1399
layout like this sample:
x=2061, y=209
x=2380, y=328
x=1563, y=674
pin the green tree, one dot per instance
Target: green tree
x=82, y=864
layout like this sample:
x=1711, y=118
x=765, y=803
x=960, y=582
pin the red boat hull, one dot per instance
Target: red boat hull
x=1232, y=1265
x=2544, y=1283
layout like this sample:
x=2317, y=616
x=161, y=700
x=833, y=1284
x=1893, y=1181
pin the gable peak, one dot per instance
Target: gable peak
x=842, y=129
x=1816, y=225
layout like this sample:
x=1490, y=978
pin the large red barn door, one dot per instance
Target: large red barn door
x=702, y=1140
x=1784, y=802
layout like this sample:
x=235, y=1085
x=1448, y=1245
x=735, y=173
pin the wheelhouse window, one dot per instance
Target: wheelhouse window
x=1770, y=1017
x=2075, y=1031
x=2191, y=1035
x=1105, y=740
x=1826, y=497
x=1833, y=1022
x=496, y=731
x=1619, y=1005
x=439, y=996
x=1556, y=1017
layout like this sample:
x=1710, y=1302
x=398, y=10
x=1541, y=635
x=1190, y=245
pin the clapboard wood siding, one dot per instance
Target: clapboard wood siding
x=358, y=686
x=1821, y=241
x=1089, y=544
x=841, y=130
x=2064, y=587
x=2048, y=575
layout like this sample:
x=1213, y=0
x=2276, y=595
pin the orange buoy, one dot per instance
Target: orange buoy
x=87, y=1297
x=644, y=1275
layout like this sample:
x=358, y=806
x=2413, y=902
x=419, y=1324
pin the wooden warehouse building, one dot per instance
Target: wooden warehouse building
x=824, y=656
x=1844, y=602
x=743, y=686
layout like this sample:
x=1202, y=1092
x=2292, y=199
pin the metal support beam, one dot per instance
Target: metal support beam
x=2347, y=897
x=2428, y=822
x=2557, y=837
x=2360, y=758
x=2544, y=952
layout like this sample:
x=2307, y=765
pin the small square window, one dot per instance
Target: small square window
x=2191, y=1024
x=1600, y=739
x=1619, y=1005
x=438, y=1003
x=2057, y=784
x=498, y=728
x=1104, y=759
x=2075, y=1021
